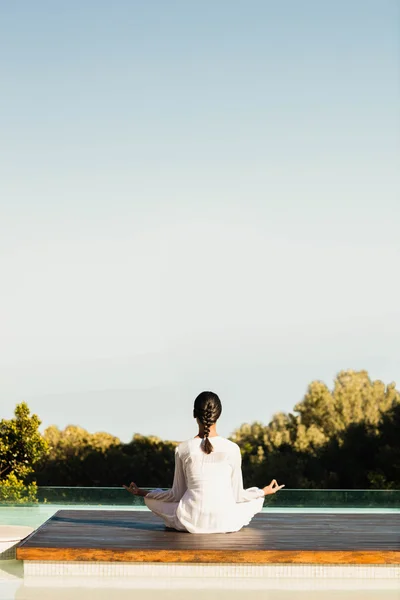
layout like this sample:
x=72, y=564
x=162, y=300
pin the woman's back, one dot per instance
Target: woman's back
x=209, y=474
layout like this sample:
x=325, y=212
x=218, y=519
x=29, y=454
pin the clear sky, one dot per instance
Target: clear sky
x=195, y=195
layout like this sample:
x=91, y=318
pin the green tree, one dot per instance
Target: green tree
x=21, y=447
x=330, y=440
x=77, y=457
x=385, y=472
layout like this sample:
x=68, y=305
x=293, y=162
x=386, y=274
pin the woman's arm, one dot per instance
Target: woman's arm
x=242, y=495
x=172, y=495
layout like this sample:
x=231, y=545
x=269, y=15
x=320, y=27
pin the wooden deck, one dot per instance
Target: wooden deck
x=139, y=536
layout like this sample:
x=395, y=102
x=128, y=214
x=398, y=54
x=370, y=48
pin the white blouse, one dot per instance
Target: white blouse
x=207, y=495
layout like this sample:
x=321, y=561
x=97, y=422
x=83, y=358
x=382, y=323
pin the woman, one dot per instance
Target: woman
x=207, y=495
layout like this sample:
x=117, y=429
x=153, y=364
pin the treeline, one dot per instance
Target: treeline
x=347, y=437
x=78, y=458
x=344, y=438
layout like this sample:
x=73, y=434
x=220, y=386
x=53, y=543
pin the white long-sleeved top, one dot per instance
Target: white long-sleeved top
x=207, y=495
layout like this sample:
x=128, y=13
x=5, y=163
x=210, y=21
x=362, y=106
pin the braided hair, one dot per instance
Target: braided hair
x=207, y=409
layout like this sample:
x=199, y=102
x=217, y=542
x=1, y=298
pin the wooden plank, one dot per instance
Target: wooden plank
x=210, y=556
x=137, y=536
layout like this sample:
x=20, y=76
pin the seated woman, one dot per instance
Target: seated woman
x=207, y=494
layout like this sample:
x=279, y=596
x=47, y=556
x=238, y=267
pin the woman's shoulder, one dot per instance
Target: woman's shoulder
x=193, y=441
x=232, y=446
x=227, y=442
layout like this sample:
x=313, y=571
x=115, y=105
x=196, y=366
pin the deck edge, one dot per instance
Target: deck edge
x=323, y=557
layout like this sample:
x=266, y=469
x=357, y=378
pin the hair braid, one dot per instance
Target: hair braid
x=207, y=408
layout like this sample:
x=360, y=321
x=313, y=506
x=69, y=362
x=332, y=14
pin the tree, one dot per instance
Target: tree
x=334, y=440
x=21, y=447
x=77, y=457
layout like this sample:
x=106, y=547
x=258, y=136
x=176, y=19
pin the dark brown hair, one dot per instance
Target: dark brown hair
x=207, y=408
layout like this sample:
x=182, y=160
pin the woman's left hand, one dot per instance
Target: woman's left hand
x=272, y=488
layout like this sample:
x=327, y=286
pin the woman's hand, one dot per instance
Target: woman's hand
x=132, y=489
x=272, y=488
x=135, y=490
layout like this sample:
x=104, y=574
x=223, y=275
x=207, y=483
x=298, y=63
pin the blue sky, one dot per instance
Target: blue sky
x=195, y=195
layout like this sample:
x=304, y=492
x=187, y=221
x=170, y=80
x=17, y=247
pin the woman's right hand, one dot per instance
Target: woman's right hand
x=132, y=489
x=272, y=488
x=135, y=490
